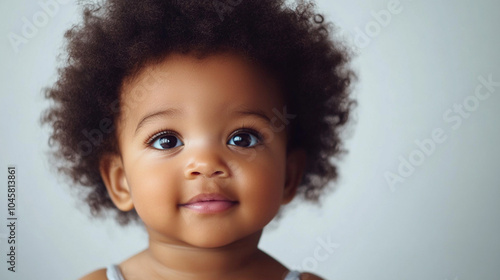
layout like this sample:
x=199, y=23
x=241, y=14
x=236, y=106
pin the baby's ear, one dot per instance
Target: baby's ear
x=113, y=175
x=295, y=165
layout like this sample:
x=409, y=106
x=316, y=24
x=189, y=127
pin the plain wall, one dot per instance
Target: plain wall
x=440, y=221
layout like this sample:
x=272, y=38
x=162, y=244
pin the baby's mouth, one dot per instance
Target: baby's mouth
x=209, y=203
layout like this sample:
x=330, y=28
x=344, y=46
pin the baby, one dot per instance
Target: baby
x=200, y=120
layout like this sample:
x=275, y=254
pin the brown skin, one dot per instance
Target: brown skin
x=207, y=96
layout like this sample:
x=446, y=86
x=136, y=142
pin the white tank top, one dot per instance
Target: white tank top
x=113, y=273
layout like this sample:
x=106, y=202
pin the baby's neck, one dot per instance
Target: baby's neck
x=174, y=261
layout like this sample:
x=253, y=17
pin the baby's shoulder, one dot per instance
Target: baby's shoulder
x=309, y=276
x=99, y=274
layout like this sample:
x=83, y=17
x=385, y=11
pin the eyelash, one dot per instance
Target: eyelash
x=159, y=133
x=243, y=128
x=249, y=129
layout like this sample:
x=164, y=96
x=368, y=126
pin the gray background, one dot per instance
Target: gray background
x=442, y=222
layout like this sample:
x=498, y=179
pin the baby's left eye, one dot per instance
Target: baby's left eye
x=244, y=139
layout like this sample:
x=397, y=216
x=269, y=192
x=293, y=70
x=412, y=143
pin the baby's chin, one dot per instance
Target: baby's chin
x=221, y=239
x=213, y=241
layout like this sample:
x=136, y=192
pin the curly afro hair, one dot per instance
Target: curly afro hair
x=118, y=38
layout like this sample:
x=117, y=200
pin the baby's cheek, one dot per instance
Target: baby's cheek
x=154, y=194
x=263, y=188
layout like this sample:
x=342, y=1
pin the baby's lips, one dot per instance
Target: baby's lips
x=210, y=207
x=208, y=197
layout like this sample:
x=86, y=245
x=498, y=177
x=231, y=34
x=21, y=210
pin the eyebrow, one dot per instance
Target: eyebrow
x=254, y=112
x=173, y=112
x=170, y=112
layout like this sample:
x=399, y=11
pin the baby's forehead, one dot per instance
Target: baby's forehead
x=174, y=63
x=178, y=73
x=187, y=84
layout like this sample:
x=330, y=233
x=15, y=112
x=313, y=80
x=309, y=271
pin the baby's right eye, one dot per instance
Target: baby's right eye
x=164, y=141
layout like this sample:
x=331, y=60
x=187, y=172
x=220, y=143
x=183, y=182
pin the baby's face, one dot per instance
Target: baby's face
x=191, y=127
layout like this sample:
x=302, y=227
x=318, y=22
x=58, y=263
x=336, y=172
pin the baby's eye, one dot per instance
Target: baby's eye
x=166, y=141
x=244, y=139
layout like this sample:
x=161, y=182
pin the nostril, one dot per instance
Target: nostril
x=194, y=173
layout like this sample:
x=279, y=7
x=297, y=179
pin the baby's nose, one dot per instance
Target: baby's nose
x=208, y=166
